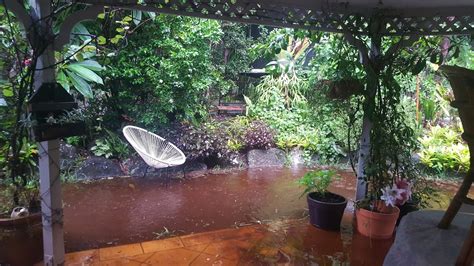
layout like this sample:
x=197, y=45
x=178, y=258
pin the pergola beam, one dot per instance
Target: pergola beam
x=397, y=17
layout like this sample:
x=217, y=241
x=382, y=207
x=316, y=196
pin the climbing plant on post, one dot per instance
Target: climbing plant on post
x=374, y=62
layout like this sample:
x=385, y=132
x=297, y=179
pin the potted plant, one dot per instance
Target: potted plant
x=325, y=208
x=378, y=218
x=20, y=216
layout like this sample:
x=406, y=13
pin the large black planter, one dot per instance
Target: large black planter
x=409, y=206
x=325, y=214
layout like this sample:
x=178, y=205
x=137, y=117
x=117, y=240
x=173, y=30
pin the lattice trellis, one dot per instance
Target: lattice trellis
x=335, y=18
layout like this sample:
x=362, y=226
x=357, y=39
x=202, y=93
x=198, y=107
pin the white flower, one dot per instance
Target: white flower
x=390, y=195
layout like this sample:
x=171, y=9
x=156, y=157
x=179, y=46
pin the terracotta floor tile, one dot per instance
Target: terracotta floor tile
x=120, y=251
x=133, y=260
x=120, y=262
x=225, y=234
x=159, y=245
x=198, y=248
x=174, y=257
x=87, y=257
x=278, y=243
x=229, y=249
x=206, y=259
x=201, y=238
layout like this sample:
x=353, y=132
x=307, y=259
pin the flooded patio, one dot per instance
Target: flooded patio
x=129, y=210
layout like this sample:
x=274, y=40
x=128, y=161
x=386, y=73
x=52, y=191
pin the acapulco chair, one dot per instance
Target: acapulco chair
x=156, y=151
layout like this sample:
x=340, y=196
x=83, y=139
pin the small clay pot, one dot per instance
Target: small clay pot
x=377, y=225
x=326, y=211
x=21, y=240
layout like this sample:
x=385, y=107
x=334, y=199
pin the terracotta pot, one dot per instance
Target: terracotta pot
x=378, y=225
x=326, y=215
x=21, y=240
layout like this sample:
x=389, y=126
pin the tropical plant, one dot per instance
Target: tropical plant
x=18, y=66
x=317, y=181
x=111, y=146
x=163, y=72
x=78, y=68
x=442, y=149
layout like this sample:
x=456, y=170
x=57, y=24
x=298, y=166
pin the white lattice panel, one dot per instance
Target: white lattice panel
x=317, y=15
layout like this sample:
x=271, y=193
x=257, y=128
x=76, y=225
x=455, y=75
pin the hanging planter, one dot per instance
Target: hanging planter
x=342, y=89
x=52, y=110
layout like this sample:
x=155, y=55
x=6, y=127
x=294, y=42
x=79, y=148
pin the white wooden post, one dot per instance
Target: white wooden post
x=50, y=182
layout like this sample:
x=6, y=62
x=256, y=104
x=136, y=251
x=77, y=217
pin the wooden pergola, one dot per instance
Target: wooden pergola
x=353, y=18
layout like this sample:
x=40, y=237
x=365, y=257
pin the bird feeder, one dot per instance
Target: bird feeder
x=48, y=106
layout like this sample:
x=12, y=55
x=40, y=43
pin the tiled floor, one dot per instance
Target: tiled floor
x=292, y=242
x=223, y=247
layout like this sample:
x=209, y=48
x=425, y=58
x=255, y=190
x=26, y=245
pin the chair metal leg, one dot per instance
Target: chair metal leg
x=146, y=170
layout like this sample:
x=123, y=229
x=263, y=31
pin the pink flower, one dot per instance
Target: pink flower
x=27, y=62
x=406, y=194
x=391, y=195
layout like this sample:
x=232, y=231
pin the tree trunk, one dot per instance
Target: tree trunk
x=372, y=74
x=364, y=153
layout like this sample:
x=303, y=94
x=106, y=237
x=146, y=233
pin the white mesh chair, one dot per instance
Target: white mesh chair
x=155, y=150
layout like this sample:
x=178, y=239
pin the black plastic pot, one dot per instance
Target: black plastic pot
x=326, y=212
x=409, y=206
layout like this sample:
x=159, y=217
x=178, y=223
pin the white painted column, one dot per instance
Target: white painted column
x=49, y=167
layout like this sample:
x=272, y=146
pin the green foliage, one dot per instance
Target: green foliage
x=317, y=181
x=111, y=146
x=236, y=129
x=290, y=86
x=207, y=142
x=293, y=104
x=335, y=59
x=259, y=136
x=78, y=68
x=231, y=56
x=444, y=150
x=163, y=72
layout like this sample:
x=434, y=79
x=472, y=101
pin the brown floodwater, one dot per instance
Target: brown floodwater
x=126, y=210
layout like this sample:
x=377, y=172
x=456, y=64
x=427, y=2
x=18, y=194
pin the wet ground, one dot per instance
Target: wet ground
x=126, y=210
x=129, y=210
x=288, y=242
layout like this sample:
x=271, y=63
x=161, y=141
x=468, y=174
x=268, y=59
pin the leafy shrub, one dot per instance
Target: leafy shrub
x=236, y=129
x=206, y=142
x=111, y=146
x=316, y=130
x=305, y=137
x=443, y=149
x=259, y=136
x=163, y=71
x=214, y=142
